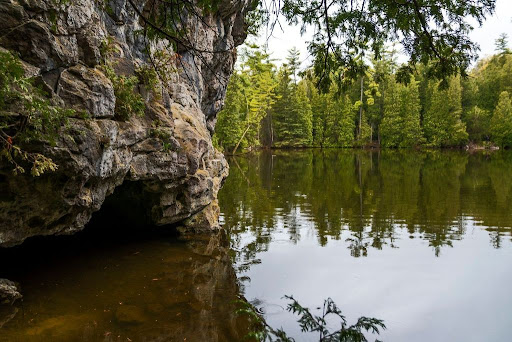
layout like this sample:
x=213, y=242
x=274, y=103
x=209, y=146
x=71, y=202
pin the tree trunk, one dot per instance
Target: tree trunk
x=242, y=138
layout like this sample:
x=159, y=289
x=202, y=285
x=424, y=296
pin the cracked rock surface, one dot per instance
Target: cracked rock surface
x=60, y=44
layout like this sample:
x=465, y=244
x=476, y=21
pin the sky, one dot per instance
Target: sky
x=283, y=40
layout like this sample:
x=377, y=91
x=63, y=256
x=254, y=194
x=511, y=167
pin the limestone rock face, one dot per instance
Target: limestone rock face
x=61, y=43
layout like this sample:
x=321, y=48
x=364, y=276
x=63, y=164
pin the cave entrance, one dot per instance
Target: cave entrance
x=127, y=211
x=123, y=220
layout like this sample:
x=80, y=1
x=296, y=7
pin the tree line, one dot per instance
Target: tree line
x=279, y=107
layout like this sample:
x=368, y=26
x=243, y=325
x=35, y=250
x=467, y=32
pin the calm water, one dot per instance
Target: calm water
x=421, y=240
x=142, y=288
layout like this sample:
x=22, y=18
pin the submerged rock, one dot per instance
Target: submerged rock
x=168, y=151
x=9, y=292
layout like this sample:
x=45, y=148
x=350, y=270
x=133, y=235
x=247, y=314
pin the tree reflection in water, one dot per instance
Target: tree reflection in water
x=399, y=235
x=371, y=194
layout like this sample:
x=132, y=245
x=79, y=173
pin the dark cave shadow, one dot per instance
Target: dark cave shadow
x=122, y=220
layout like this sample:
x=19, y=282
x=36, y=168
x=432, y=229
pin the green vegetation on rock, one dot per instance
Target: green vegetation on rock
x=27, y=118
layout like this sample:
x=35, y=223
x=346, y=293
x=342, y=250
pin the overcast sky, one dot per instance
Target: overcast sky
x=485, y=36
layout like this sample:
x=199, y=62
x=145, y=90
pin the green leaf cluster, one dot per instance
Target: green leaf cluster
x=501, y=121
x=310, y=322
x=27, y=118
x=249, y=100
x=128, y=101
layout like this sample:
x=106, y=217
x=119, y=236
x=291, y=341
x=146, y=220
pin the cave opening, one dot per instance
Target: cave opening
x=123, y=220
x=127, y=211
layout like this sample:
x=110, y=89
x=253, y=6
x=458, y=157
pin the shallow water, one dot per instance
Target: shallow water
x=149, y=287
x=421, y=240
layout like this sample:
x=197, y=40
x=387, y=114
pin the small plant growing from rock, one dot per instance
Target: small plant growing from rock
x=128, y=102
x=166, y=64
x=161, y=134
x=148, y=76
x=107, y=48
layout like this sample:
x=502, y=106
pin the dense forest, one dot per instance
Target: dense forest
x=271, y=106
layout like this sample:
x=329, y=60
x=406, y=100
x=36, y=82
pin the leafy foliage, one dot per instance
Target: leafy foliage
x=26, y=117
x=128, y=102
x=309, y=322
x=501, y=122
x=344, y=29
x=148, y=76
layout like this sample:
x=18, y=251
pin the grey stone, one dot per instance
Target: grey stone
x=179, y=177
x=87, y=89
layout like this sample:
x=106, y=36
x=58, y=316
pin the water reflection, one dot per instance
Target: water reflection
x=419, y=239
x=150, y=288
x=372, y=195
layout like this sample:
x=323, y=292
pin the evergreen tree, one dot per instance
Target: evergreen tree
x=400, y=125
x=383, y=74
x=345, y=137
x=229, y=121
x=501, y=122
x=392, y=122
x=292, y=116
x=260, y=98
x=265, y=109
x=283, y=109
x=492, y=76
x=293, y=62
x=339, y=121
x=411, y=134
x=441, y=123
x=319, y=103
x=303, y=134
x=478, y=124
x=502, y=44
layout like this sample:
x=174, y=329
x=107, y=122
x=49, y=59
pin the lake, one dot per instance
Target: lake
x=421, y=240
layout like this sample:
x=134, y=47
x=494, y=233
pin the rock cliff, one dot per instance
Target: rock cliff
x=167, y=152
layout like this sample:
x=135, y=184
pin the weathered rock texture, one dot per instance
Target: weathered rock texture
x=60, y=43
